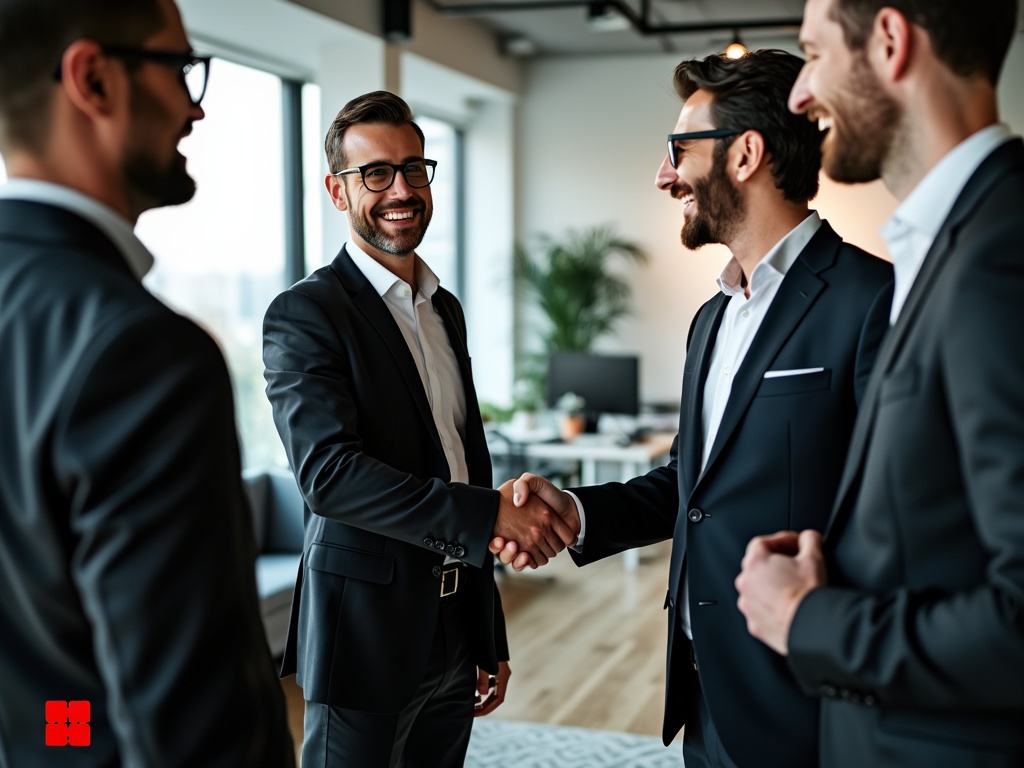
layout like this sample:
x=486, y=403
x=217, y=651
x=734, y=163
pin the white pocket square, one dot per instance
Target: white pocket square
x=791, y=372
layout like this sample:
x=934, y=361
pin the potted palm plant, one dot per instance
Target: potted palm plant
x=581, y=299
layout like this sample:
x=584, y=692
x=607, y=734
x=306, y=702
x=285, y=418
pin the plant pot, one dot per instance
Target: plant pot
x=570, y=427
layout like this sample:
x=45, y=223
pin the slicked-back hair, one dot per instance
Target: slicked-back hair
x=34, y=35
x=751, y=93
x=380, y=107
x=971, y=38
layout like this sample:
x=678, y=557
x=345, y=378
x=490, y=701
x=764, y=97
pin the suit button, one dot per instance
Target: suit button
x=428, y=543
x=460, y=551
x=695, y=515
x=436, y=570
x=439, y=545
x=450, y=549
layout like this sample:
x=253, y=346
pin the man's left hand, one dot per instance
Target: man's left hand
x=778, y=571
x=496, y=685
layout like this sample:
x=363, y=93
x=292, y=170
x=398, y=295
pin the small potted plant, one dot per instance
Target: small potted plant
x=572, y=420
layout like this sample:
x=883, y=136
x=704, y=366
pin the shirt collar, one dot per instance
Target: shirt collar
x=775, y=263
x=926, y=207
x=383, y=280
x=106, y=219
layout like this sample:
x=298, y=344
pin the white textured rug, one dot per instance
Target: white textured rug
x=501, y=743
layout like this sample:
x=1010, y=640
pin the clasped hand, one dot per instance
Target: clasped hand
x=535, y=522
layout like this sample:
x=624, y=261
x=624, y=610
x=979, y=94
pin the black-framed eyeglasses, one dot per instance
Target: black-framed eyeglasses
x=194, y=70
x=378, y=177
x=714, y=133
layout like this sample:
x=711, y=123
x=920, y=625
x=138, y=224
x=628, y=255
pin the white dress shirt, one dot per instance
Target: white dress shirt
x=912, y=229
x=427, y=339
x=742, y=319
x=106, y=219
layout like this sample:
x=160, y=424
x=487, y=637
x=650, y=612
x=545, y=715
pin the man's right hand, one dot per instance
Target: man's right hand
x=537, y=530
x=527, y=490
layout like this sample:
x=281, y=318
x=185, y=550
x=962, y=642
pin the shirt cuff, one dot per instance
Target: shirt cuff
x=578, y=546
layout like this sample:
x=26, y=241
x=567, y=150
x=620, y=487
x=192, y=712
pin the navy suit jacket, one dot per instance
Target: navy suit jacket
x=775, y=465
x=127, y=552
x=917, y=644
x=382, y=513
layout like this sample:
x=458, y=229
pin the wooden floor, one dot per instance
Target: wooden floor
x=587, y=645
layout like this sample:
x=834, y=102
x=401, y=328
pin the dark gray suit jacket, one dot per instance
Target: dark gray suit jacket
x=381, y=510
x=917, y=644
x=775, y=465
x=126, y=545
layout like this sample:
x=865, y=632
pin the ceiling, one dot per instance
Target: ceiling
x=561, y=28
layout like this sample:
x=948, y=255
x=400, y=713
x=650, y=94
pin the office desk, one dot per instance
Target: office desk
x=590, y=450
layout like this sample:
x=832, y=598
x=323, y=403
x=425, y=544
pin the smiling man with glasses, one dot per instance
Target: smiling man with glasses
x=396, y=621
x=775, y=365
x=125, y=536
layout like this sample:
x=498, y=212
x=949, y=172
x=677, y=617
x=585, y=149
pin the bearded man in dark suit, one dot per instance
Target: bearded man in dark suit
x=908, y=622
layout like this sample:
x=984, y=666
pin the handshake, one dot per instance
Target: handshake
x=535, y=522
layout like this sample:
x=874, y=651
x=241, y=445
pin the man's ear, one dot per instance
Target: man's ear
x=747, y=154
x=890, y=45
x=91, y=80
x=336, y=189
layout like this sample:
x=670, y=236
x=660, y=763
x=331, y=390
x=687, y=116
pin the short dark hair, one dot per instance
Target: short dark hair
x=971, y=38
x=374, y=107
x=34, y=35
x=752, y=93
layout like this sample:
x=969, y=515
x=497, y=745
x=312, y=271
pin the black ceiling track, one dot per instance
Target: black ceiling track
x=641, y=22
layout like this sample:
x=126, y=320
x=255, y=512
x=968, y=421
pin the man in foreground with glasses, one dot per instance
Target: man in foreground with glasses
x=129, y=624
x=775, y=367
x=396, y=619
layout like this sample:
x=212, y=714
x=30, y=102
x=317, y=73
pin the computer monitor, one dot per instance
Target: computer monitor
x=607, y=383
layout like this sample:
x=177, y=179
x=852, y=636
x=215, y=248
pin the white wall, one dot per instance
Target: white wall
x=592, y=134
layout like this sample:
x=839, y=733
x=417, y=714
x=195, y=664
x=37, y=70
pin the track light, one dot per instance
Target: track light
x=736, y=49
x=604, y=17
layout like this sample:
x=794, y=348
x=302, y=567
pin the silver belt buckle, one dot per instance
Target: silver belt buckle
x=449, y=582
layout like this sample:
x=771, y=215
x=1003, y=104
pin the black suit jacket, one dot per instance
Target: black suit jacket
x=351, y=410
x=917, y=644
x=126, y=545
x=774, y=464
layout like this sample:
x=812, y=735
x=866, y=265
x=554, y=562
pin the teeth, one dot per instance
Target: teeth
x=824, y=123
x=688, y=199
x=395, y=216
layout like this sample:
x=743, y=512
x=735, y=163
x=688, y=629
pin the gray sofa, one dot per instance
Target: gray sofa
x=277, y=511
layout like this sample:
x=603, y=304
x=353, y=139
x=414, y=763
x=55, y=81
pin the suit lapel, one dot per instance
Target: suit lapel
x=369, y=302
x=799, y=290
x=692, y=438
x=1007, y=157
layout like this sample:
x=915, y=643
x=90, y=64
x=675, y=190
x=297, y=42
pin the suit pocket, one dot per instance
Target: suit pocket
x=351, y=563
x=795, y=385
x=899, y=385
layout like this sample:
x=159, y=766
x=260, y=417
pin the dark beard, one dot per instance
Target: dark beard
x=864, y=136
x=153, y=185
x=159, y=186
x=719, y=208
x=401, y=245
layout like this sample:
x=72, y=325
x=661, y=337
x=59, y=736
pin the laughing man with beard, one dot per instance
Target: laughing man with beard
x=774, y=370
x=396, y=623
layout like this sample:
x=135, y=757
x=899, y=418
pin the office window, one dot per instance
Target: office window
x=220, y=259
x=442, y=247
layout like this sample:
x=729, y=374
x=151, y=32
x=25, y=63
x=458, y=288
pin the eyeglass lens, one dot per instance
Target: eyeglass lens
x=377, y=178
x=195, y=76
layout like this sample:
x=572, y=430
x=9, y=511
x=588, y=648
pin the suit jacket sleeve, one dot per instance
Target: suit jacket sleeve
x=312, y=374
x=926, y=648
x=163, y=549
x=623, y=516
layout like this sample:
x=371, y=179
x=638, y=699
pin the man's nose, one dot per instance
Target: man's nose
x=800, y=97
x=666, y=175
